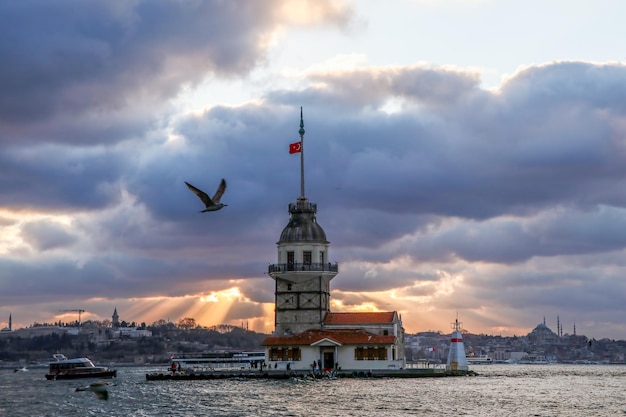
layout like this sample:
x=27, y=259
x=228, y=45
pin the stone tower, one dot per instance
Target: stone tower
x=303, y=273
x=115, y=318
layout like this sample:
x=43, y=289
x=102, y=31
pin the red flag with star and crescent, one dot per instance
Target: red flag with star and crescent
x=295, y=147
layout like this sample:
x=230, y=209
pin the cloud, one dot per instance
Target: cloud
x=428, y=86
x=44, y=235
x=504, y=201
x=99, y=61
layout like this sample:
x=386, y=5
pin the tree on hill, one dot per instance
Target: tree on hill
x=187, y=323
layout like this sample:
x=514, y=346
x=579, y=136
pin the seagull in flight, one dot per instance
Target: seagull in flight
x=99, y=388
x=212, y=204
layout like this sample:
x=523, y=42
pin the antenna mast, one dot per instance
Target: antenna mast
x=301, y=132
x=456, y=326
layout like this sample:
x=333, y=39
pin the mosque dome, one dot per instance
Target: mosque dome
x=303, y=226
x=542, y=334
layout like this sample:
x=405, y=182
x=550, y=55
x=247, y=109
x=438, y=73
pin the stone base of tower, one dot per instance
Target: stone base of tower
x=302, y=303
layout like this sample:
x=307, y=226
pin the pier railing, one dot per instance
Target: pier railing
x=307, y=267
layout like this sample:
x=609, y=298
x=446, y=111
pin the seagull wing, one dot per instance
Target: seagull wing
x=220, y=191
x=98, y=388
x=101, y=392
x=201, y=195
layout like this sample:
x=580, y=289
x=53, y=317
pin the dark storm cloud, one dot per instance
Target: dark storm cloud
x=60, y=177
x=515, y=239
x=581, y=288
x=67, y=56
x=43, y=235
x=492, y=153
x=382, y=277
x=89, y=58
x=113, y=275
x=258, y=290
x=429, y=86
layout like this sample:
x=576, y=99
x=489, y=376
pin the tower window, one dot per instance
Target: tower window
x=288, y=287
x=322, y=257
x=290, y=260
x=306, y=257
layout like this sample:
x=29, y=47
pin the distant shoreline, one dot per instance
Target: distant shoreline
x=16, y=365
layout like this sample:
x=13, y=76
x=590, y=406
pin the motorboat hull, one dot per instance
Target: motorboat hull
x=80, y=375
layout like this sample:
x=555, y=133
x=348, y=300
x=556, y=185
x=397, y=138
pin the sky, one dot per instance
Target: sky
x=468, y=157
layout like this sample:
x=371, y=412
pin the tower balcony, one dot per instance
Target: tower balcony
x=303, y=206
x=306, y=267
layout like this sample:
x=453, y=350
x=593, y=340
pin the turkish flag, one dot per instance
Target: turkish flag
x=295, y=147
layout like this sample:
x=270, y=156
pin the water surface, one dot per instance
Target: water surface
x=499, y=390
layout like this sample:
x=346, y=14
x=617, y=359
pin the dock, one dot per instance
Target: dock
x=284, y=374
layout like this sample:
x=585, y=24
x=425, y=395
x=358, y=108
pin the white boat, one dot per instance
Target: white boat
x=479, y=360
x=534, y=360
x=64, y=368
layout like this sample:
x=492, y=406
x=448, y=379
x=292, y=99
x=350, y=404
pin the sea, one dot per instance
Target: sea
x=498, y=390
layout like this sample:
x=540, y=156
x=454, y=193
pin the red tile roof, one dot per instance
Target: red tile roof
x=385, y=317
x=342, y=337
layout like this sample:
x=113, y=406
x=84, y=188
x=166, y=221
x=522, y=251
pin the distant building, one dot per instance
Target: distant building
x=541, y=335
x=115, y=319
x=307, y=335
x=36, y=331
x=132, y=332
x=10, y=327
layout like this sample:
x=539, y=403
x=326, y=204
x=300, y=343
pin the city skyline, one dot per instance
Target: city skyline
x=559, y=331
x=466, y=156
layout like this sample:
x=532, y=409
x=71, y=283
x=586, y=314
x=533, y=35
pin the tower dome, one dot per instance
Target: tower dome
x=303, y=226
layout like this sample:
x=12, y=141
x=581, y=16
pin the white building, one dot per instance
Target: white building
x=132, y=332
x=346, y=341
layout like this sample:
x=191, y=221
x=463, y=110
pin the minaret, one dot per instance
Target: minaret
x=10, y=322
x=302, y=275
x=456, y=356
